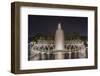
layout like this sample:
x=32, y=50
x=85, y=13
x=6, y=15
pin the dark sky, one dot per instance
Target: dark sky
x=48, y=24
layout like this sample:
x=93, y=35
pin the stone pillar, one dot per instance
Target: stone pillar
x=76, y=54
x=48, y=56
x=42, y=56
x=82, y=52
x=69, y=55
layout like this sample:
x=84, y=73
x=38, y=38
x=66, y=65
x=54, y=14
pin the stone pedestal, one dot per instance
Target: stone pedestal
x=59, y=55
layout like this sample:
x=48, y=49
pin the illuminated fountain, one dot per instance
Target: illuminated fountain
x=58, y=48
x=59, y=43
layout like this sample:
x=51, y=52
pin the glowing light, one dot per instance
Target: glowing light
x=59, y=38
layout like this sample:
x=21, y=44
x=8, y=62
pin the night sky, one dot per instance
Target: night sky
x=48, y=24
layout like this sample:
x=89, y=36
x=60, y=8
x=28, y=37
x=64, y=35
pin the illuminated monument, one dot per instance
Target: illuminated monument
x=57, y=47
x=59, y=43
x=59, y=38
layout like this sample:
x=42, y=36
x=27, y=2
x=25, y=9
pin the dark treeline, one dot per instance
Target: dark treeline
x=68, y=36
